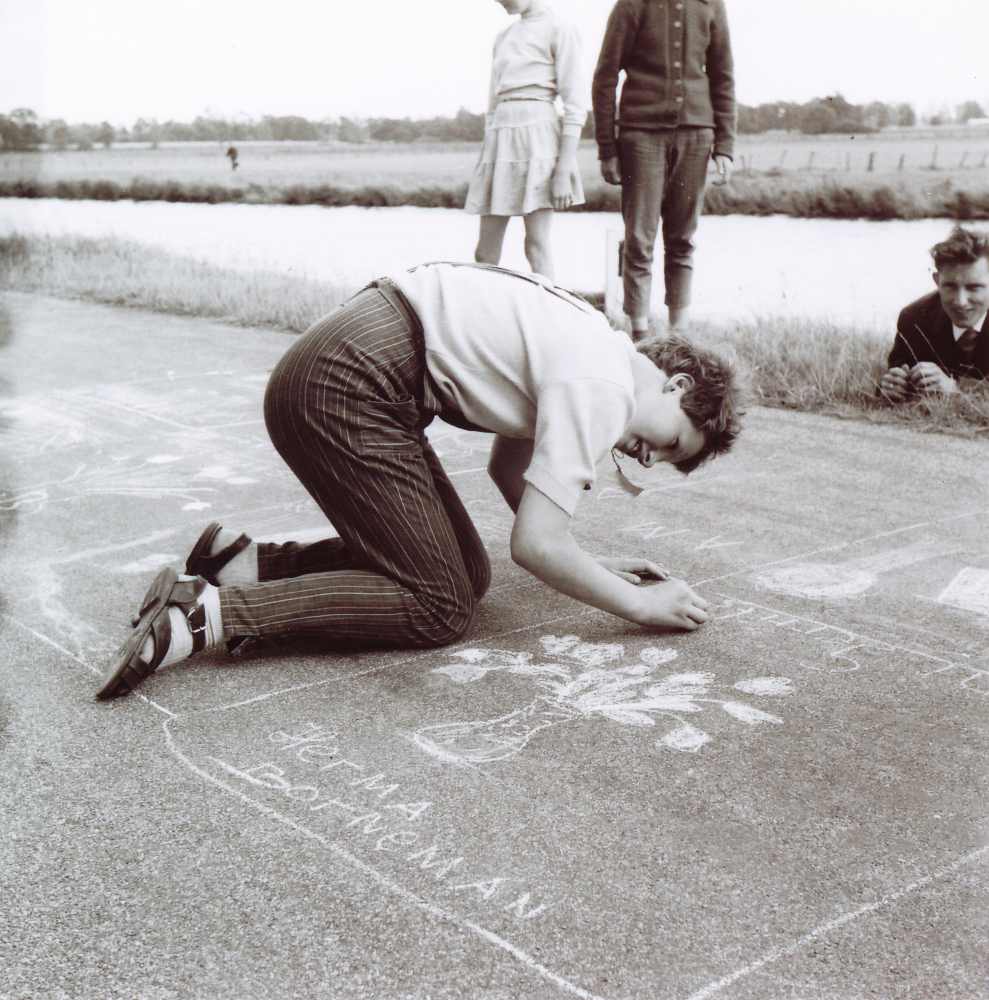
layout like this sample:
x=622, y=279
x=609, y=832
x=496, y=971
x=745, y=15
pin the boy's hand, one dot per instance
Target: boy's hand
x=926, y=377
x=611, y=170
x=724, y=166
x=672, y=604
x=631, y=569
x=895, y=384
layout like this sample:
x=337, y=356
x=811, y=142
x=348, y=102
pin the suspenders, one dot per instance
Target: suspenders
x=573, y=298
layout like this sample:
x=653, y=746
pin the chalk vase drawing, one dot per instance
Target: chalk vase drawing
x=580, y=681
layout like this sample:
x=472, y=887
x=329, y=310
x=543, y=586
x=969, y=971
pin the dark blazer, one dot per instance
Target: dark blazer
x=676, y=55
x=923, y=333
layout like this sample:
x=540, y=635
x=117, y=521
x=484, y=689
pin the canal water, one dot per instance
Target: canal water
x=745, y=266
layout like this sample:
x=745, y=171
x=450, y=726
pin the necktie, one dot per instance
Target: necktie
x=966, y=343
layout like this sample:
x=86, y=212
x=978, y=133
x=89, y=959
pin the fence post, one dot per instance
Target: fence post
x=903, y=157
x=872, y=157
x=614, y=261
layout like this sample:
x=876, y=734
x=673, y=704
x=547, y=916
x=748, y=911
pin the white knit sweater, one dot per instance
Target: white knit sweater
x=538, y=57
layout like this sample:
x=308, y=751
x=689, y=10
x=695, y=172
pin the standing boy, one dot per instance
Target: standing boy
x=677, y=110
x=347, y=407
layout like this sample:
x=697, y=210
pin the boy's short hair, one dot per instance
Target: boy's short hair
x=963, y=246
x=714, y=401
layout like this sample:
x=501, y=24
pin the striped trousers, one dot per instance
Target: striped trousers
x=344, y=409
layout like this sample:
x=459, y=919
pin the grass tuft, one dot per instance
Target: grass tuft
x=820, y=366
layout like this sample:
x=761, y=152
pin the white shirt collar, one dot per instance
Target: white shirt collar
x=959, y=330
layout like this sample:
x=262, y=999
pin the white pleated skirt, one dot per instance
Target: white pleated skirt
x=519, y=155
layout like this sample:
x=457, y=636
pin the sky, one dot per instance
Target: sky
x=119, y=61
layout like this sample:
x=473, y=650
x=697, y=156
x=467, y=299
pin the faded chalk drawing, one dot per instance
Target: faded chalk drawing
x=969, y=591
x=815, y=580
x=577, y=680
x=149, y=563
x=765, y=685
x=819, y=581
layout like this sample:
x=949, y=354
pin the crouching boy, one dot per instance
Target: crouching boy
x=942, y=339
x=346, y=408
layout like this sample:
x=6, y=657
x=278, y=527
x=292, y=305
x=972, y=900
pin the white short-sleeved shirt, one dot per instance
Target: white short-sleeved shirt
x=518, y=356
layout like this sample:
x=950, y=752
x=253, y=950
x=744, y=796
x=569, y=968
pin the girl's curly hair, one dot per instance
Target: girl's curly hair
x=714, y=402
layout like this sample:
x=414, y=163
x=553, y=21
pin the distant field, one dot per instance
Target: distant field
x=265, y=164
x=916, y=175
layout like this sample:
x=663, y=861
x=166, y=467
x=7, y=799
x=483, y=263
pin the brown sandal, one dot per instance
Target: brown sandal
x=127, y=669
x=201, y=563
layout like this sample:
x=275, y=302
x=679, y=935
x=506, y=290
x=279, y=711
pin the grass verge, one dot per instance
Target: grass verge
x=772, y=192
x=122, y=273
x=808, y=365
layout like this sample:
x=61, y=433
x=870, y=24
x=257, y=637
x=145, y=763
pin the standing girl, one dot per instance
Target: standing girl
x=528, y=163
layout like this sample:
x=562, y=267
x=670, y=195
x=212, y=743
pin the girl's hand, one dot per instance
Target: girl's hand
x=561, y=190
x=631, y=569
x=672, y=604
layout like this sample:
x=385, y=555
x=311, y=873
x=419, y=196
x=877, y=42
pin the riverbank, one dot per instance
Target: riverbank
x=878, y=176
x=800, y=364
x=771, y=193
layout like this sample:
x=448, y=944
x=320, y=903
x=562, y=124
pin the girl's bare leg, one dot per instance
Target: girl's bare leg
x=537, y=246
x=490, y=239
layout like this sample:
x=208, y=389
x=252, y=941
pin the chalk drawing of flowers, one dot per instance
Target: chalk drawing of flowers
x=578, y=680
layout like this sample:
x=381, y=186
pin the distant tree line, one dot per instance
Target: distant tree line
x=23, y=130
x=824, y=115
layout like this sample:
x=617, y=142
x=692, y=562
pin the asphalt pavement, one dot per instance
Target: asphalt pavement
x=790, y=802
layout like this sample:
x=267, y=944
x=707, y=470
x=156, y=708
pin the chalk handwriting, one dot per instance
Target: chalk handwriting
x=367, y=804
x=837, y=643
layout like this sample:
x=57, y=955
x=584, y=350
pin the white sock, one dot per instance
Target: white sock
x=180, y=648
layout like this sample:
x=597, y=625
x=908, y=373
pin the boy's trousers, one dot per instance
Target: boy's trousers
x=663, y=176
x=344, y=409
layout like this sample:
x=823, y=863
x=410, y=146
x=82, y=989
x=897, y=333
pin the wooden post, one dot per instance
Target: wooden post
x=872, y=157
x=810, y=160
x=614, y=260
x=903, y=157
